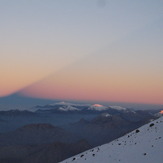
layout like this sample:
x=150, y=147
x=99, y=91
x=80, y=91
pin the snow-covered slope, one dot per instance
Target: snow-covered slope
x=68, y=108
x=118, y=107
x=144, y=145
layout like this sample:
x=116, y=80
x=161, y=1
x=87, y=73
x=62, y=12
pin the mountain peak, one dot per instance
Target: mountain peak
x=97, y=107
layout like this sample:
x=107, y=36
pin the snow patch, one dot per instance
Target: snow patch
x=105, y=115
x=68, y=104
x=118, y=107
x=68, y=108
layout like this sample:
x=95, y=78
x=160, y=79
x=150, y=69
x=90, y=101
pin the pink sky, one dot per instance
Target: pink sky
x=82, y=51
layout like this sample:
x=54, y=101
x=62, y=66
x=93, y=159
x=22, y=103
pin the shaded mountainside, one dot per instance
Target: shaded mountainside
x=49, y=153
x=144, y=145
x=105, y=128
x=39, y=143
x=101, y=129
x=37, y=134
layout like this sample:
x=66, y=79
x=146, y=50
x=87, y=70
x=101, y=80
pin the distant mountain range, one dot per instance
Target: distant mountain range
x=18, y=101
x=79, y=108
x=63, y=107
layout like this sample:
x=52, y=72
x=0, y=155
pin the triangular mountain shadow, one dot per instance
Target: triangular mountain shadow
x=18, y=101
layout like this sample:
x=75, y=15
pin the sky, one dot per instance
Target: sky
x=108, y=50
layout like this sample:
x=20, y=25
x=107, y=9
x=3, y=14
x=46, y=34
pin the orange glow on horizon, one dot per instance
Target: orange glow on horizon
x=116, y=88
x=71, y=94
x=161, y=112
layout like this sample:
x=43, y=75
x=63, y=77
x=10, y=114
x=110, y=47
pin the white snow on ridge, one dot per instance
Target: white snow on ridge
x=68, y=108
x=117, y=107
x=143, y=145
x=65, y=106
x=60, y=103
x=68, y=104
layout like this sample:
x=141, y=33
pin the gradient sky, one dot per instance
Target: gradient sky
x=108, y=50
